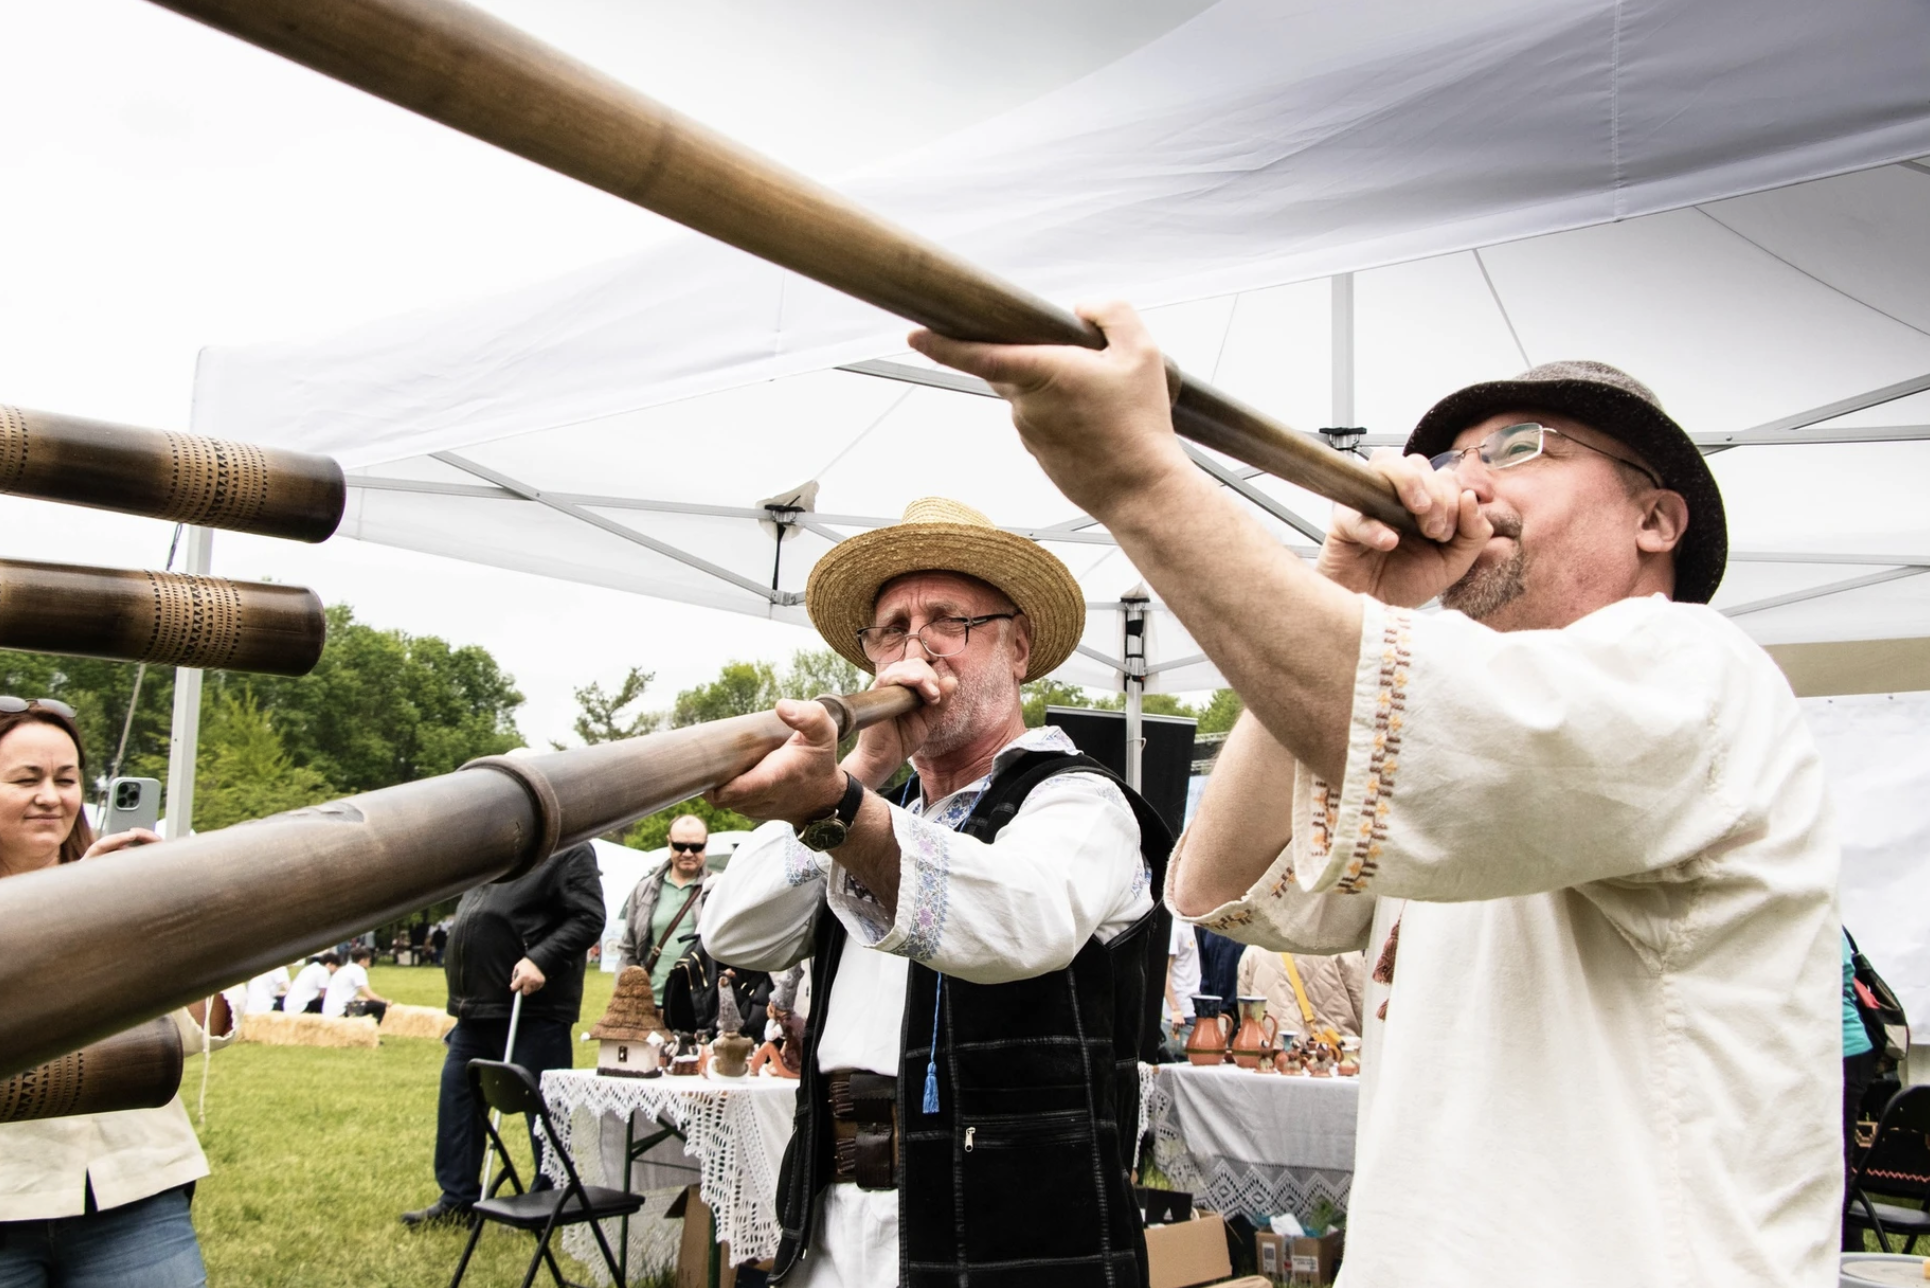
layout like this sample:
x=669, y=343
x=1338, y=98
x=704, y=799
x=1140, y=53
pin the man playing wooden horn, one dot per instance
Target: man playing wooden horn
x=986, y=949
x=1603, y=1046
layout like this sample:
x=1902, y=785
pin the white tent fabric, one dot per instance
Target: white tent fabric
x=1716, y=194
x=1879, y=772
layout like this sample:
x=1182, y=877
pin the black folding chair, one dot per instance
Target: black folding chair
x=510, y=1089
x=1896, y=1165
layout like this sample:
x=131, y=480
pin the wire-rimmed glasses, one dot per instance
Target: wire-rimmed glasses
x=940, y=637
x=1513, y=445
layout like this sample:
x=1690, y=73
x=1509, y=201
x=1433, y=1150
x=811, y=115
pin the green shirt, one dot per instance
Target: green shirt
x=670, y=902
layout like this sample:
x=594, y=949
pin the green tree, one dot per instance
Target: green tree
x=1037, y=695
x=385, y=707
x=1220, y=711
x=603, y=720
x=821, y=670
x=740, y=689
x=243, y=771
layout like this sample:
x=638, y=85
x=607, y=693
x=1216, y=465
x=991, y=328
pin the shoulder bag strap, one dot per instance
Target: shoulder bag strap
x=656, y=950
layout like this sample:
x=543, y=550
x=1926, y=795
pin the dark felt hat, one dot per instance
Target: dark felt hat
x=1614, y=402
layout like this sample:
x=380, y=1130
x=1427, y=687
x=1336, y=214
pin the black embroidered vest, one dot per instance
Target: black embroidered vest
x=1022, y=1179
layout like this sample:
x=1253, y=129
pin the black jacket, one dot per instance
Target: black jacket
x=551, y=915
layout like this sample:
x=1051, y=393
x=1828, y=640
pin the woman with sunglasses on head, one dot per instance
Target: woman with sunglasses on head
x=90, y=1200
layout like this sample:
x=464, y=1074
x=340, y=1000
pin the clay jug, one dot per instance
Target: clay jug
x=1253, y=1040
x=1212, y=1031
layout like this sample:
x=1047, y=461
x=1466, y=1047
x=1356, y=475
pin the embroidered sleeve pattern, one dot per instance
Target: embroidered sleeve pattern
x=802, y=864
x=1334, y=830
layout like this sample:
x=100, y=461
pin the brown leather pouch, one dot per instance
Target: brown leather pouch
x=864, y=1119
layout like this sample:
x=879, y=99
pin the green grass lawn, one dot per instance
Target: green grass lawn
x=315, y=1152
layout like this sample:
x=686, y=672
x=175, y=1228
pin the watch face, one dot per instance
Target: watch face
x=823, y=833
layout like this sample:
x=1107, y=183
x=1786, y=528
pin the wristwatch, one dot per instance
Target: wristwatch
x=829, y=832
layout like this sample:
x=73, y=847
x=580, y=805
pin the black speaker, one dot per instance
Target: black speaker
x=1165, y=764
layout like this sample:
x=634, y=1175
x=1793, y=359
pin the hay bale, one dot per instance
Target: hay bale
x=416, y=1022
x=272, y=1028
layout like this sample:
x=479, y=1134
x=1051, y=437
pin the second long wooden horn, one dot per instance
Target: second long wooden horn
x=472, y=72
x=185, y=477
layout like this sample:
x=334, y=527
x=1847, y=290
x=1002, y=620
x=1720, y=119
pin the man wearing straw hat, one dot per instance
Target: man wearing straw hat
x=1578, y=823
x=986, y=948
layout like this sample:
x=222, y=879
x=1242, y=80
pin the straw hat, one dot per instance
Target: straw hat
x=1616, y=403
x=937, y=535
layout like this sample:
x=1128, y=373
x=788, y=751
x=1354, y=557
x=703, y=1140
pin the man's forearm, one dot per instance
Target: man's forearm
x=1245, y=819
x=870, y=853
x=1285, y=638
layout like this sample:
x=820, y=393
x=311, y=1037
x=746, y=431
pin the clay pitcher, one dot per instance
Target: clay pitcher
x=1253, y=1040
x=1212, y=1032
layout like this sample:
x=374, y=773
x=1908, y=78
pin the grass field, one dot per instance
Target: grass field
x=315, y=1152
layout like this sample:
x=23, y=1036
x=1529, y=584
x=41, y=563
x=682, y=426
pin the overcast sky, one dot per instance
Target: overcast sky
x=170, y=188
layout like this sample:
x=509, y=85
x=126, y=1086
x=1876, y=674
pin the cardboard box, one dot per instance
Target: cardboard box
x=1314, y=1261
x=1271, y=1256
x=1187, y=1252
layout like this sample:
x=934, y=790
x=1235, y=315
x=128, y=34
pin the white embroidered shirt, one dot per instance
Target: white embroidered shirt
x=1610, y=1053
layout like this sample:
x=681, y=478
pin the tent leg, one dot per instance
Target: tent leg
x=1133, y=651
x=186, y=734
x=1343, y=348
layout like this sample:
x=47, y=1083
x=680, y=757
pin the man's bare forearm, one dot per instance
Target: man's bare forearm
x=1244, y=820
x=1286, y=638
x=870, y=853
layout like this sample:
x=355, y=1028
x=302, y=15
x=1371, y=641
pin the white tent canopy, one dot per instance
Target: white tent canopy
x=1719, y=195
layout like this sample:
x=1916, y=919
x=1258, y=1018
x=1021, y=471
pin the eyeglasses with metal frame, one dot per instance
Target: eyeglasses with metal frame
x=10, y=705
x=1513, y=445
x=940, y=637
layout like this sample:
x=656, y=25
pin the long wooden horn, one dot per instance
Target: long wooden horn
x=168, y=618
x=138, y=1069
x=474, y=73
x=184, y=477
x=215, y=909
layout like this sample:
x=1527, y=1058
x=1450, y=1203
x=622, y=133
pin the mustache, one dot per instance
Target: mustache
x=1506, y=525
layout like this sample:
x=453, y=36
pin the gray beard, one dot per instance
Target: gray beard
x=1485, y=591
x=965, y=711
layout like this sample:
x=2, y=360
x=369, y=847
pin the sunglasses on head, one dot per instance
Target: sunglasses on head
x=689, y=847
x=10, y=705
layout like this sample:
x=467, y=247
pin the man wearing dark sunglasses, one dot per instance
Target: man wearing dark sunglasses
x=1579, y=825
x=660, y=915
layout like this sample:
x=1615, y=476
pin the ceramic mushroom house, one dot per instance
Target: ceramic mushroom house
x=631, y=1032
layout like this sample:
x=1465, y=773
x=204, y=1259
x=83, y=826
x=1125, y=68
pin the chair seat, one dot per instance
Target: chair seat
x=531, y=1211
x=1895, y=1219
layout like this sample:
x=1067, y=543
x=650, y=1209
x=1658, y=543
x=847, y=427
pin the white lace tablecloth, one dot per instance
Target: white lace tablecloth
x=1245, y=1142
x=734, y=1138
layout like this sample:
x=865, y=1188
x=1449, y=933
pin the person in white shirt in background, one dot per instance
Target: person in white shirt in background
x=1604, y=1046
x=1182, y=982
x=311, y=981
x=266, y=990
x=349, y=992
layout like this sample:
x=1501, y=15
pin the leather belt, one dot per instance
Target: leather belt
x=864, y=1122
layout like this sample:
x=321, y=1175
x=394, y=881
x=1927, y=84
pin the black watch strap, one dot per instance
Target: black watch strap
x=828, y=831
x=847, y=807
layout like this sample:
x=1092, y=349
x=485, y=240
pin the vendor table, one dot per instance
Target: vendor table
x=725, y=1136
x=1246, y=1142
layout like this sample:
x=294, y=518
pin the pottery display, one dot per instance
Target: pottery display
x=1253, y=1040
x=1212, y=1032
